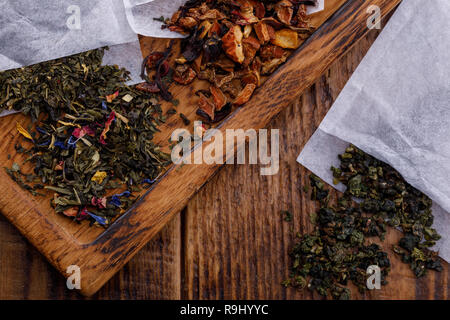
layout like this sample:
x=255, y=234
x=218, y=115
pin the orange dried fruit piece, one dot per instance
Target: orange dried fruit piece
x=212, y=14
x=232, y=44
x=251, y=46
x=245, y=13
x=264, y=32
x=184, y=74
x=187, y=22
x=286, y=38
x=175, y=17
x=252, y=77
x=248, y=30
x=271, y=51
x=260, y=10
x=245, y=94
x=253, y=42
x=270, y=66
x=206, y=106
x=271, y=21
x=214, y=30
x=219, y=98
x=284, y=11
x=206, y=25
x=177, y=29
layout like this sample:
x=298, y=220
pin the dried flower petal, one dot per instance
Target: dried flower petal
x=99, y=202
x=71, y=212
x=23, y=132
x=99, y=176
x=111, y=97
x=108, y=123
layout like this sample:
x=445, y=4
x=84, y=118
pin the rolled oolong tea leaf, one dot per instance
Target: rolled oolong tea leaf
x=386, y=195
x=338, y=250
x=92, y=141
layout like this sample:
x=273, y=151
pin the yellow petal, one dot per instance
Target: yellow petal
x=23, y=132
x=121, y=117
x=99, y=176
x=69, y=124
x=111, y=97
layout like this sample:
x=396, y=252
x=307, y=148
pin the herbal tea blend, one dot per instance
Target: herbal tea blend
x=92, y=141
x=340, y=249
x=232, y=45
x=93, y=134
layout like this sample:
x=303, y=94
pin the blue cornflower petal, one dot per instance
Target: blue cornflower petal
x=115, y=201
x=101, y=220
x=46, y=143
x=61, y=145
x=124, y=194
x=72, y=142
x=41, y=131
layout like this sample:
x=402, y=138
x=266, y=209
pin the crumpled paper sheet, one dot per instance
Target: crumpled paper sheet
x=141, y=14
x=396, y=107
x=36, y=31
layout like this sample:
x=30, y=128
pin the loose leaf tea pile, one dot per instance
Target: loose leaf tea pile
x=92, y=140
x=338, y=251
x=231, y=44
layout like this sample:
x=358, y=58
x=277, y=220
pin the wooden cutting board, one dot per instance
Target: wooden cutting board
x=101, y=253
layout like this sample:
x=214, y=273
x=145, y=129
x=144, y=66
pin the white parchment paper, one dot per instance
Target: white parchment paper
x=141, y=14
x=396, y=107
x=34, y=31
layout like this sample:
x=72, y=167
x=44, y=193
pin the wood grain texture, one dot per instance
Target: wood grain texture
x=100, y=256
x=153, y=273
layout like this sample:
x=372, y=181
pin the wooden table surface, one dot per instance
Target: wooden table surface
x=230, y=241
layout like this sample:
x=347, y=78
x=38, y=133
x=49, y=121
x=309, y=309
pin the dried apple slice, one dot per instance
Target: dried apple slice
x=232, y=44
x=219, y=98
x=286, y=38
